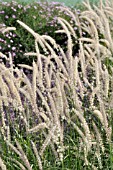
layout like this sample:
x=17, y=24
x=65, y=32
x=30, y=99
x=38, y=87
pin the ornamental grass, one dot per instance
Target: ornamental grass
x=62, y=111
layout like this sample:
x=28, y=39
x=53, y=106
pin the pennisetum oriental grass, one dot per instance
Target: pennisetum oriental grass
x=65, y=89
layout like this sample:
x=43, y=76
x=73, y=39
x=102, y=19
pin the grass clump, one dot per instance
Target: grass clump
x=60, y=116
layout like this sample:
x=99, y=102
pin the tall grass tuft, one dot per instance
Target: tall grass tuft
x=67, y=95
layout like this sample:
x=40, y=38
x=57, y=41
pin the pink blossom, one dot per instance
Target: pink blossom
x=19, y=6
x=13, y=16
x=13, y=54
x=2, y=12
x=14, y=35
x=13, y=9
x=13, y=48
x=6, y=16
x=9, y=46
x=11, y=41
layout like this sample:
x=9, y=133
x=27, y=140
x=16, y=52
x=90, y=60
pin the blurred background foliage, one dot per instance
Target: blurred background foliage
x=41, y=17
x=66, y=2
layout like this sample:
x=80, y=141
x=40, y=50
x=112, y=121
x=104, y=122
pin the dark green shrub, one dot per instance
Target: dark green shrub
x=41, y=17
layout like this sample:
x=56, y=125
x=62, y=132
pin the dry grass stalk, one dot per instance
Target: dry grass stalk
x=7, y=29
x=37, y=128
x=47, y=140
x=2, y=165
x=37, y=156
x=3, y=56
x=18, y=163
x=99, y=138
x=23, y=156
x=70, y=13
